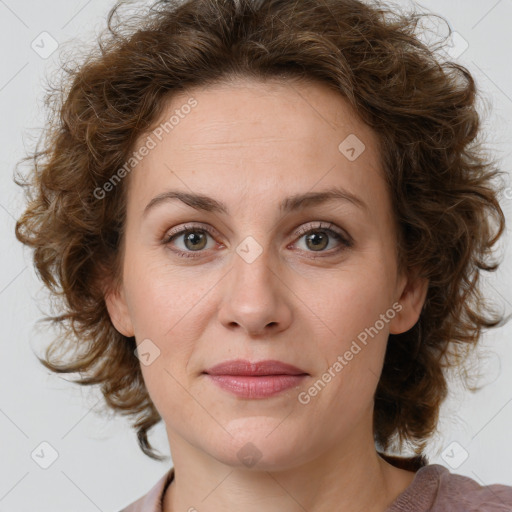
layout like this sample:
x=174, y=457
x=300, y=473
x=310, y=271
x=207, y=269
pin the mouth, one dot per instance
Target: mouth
x=259, y=368
x=260, y=379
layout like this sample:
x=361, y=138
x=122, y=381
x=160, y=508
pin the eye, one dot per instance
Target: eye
x=194, y=239
x=316, y=238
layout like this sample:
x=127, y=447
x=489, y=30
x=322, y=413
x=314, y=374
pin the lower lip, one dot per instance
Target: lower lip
x=261, y=386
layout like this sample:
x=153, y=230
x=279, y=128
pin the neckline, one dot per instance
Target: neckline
x=418, y=492
x=168, y=479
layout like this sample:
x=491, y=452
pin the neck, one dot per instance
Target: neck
x=342, y=480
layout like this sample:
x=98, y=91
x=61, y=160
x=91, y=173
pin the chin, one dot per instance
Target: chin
x=261, y=443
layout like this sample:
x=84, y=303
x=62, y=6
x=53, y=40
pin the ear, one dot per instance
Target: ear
x=412, y=297
x=118, y=311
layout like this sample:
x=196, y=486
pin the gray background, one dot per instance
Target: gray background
x=99, y=466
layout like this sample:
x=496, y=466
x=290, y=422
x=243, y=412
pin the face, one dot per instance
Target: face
x=262, y=275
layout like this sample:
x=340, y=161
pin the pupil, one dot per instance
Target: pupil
x=315, y=239
x=193, y=238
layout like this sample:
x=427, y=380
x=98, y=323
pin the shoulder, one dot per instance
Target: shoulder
x=463, y=490
x=153, y=499
x=436, y=489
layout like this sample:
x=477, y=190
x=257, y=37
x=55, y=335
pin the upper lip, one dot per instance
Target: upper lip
x=244, y=367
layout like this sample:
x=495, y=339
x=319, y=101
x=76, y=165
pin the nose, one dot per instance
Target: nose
x=255, y=300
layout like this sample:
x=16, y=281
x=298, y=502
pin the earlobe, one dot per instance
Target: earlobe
x=118, y=312
x=412, y=300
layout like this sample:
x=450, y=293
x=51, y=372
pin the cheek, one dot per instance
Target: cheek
x=159, y=295
x=353, y=301
x=171, y=312
x=354, y=313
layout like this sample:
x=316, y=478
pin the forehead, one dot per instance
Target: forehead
x=248, y=113
x=262, y=139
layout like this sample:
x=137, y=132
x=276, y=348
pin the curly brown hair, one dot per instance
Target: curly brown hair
x=422, y=108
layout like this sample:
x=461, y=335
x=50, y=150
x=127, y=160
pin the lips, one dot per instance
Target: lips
x=261, y=379
x=242, y=367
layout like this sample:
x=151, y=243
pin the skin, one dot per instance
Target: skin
x=251, y=144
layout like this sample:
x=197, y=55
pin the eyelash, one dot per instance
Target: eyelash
x=346, y=243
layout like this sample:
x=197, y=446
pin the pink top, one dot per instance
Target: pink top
x=433, y=489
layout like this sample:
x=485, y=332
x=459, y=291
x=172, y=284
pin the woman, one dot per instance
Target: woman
x=268, y=220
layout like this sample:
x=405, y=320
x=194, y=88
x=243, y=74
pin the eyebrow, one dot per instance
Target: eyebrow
x=296, y=202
